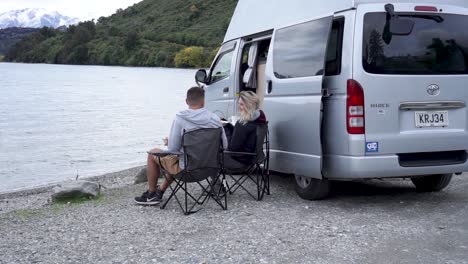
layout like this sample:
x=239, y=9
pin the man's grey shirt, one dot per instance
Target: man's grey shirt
x=189, y=120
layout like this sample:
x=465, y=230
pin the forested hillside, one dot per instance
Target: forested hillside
x=10, y=36
x=182, y=33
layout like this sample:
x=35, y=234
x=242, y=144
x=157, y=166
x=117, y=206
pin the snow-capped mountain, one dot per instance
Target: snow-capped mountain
x=34, y=18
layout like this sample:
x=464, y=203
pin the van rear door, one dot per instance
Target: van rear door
x=415, y=85
x=293, y=99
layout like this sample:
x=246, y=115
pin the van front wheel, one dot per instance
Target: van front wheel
x=432, y=183
x=312, y=189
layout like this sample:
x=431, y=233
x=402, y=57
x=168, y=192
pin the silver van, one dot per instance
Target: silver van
x=352, y=89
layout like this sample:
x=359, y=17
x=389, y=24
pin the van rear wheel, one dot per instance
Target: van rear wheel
x=312, y=189
x=432, y=183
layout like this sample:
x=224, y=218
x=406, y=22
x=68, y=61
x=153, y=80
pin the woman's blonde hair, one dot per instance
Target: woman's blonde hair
x=251, y=102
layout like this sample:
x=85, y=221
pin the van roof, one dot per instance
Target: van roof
x=270, y=14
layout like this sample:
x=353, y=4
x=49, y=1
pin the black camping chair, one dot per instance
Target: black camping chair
x=202, y=157
x=257, y=172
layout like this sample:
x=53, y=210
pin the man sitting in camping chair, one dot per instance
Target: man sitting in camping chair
x=203, y=168
x=195, y=117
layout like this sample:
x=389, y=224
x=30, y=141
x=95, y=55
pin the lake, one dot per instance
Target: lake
x=60, y=121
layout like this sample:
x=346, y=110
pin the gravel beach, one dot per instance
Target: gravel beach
x=365, y=222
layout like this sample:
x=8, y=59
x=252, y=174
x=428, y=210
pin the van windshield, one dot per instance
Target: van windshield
x=437, y=45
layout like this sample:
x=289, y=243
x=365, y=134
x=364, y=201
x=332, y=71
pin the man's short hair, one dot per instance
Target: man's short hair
x=195, y=96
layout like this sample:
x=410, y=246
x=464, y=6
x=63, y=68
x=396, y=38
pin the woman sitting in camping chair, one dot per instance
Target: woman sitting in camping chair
x=245, y=158
x=243, y=134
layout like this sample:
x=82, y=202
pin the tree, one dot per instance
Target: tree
x=194, y=12
x=189, y=57
x=131, y=40
x=80, y=55
x=102, y=20
x=47, y=32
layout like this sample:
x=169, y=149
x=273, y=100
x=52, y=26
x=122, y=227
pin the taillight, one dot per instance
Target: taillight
x=355, y=121
x=426, y=8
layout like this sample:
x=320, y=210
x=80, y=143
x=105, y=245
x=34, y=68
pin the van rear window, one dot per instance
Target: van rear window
x=437, y=45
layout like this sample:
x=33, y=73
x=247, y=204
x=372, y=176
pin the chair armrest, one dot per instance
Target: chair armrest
x=235, y=153
x=166, y=153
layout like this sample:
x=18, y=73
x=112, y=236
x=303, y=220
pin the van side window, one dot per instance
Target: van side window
x=299, y=51
x=222, y=67
x=335, y=48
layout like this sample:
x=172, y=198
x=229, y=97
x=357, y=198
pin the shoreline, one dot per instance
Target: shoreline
x=100, y=65
x=35, y=197
x=49, y=186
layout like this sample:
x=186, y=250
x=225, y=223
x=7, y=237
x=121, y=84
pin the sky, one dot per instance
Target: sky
x=82, y=9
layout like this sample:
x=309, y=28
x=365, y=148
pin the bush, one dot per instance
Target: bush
x=190, y=57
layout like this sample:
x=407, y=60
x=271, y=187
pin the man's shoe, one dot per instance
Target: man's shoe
x=150, y=198
x=144, y=195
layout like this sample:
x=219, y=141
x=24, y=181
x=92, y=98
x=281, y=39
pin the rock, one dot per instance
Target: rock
x=141, y=177
x=76, y=189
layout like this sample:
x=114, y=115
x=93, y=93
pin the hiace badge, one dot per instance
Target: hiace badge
x=372, y=147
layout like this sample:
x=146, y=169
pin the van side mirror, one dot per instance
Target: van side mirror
x=201, y=76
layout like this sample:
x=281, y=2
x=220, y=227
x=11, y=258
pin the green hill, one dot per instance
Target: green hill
x=10, y=36
x=149, y=33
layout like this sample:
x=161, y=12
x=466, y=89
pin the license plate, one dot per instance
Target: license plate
x=432, y=119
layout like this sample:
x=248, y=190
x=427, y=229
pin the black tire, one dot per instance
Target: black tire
x=432, y=183
x=312, y=189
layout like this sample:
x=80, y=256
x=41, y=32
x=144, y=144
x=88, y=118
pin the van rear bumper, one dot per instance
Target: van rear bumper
x=386, y=166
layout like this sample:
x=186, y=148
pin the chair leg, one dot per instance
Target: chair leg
x=228, y=188
x=267, y=172
x=219, y=195
x=268, y=182
x=222, y=192
x=186, y=199
x=258, y=187
x=261, y=186
x=199, y=200
x=173, y=192
x=258, y=180
x=225, y=194
x=266, y=177
x=238, y=183
x=179, y=186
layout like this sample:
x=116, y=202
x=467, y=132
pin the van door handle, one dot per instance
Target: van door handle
x=226, y=90
x=270, y=87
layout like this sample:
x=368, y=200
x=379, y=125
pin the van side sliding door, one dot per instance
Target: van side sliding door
x=293, y=99
x=220, y=88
